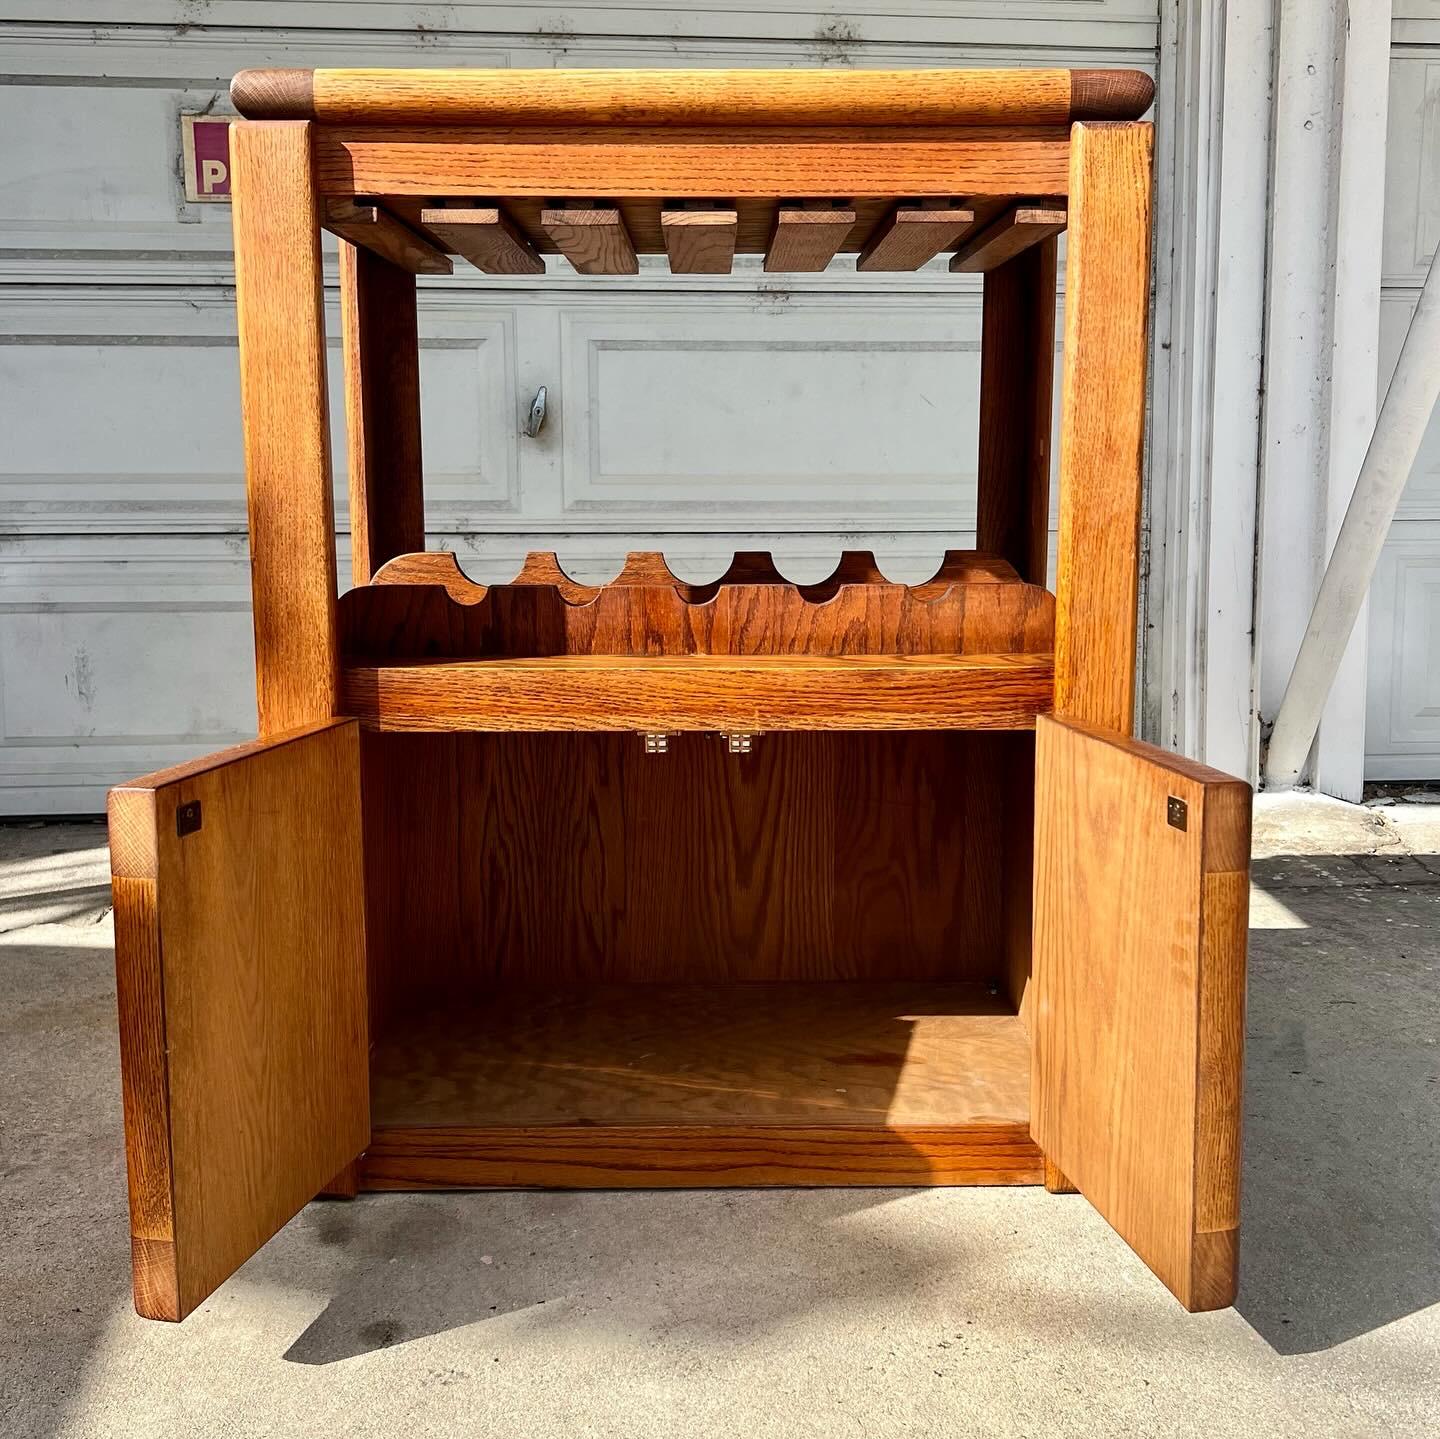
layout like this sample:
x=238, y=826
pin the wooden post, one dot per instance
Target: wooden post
x=1017, y=371
x=1102, y=423
x=382, y=410
x=287, y=436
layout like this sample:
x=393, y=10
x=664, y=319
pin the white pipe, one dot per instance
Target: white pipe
x=1404, y=416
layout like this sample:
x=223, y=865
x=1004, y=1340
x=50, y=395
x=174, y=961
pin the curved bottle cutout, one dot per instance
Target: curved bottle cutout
x=423, y=606
x=542, y=567
x=431, y=567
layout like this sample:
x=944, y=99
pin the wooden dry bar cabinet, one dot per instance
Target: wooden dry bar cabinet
x=664, y=884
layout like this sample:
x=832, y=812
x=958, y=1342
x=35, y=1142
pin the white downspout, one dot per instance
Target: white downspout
x=1404, y=416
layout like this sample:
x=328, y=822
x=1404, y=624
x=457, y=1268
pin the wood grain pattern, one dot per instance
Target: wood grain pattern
x=431, y=567
x=807, y=237
x=1011, y=839
x=652, y=1157
x=912, y=235
x=411, y=788
x=700, y=241
x=1110, y=94
x=423, y=607
x=380, y=336
x=1014, y=232
x=1056, y=1182
x=579, y=859
x=1139, y=972
x=240, y=969
x=692, y=97
x=278, y=296
x=345, y=1185
x=703, y=692
x=1102, y=423
x=664, y=1085
x=1017, y=376
x=145, y=1085
x=373, y=228
x=592, y=238
x=678, y=164
x=755, y=217
x=486, y=237
x=876, y=1054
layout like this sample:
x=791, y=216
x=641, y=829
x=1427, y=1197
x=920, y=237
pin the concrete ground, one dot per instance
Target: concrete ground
x=830, y=1312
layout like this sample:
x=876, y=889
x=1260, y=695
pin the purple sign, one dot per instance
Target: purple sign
x=205, y=140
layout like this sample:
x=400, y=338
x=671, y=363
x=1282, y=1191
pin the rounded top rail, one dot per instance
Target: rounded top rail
x=692, y=97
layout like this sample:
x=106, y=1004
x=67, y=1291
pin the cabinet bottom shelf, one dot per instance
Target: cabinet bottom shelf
x=666, y=1086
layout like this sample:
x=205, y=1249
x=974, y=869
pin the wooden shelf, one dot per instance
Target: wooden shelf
x=704, y=692
x=779, y=1083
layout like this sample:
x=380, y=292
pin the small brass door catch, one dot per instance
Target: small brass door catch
x=1177, y=813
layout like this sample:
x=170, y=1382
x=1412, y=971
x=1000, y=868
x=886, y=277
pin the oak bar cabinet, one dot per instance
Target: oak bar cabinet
x=668, y=884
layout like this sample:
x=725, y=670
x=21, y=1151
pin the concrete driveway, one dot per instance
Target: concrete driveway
x=829, y=1312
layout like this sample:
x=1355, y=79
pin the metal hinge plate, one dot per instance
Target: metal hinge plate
x=187, y=818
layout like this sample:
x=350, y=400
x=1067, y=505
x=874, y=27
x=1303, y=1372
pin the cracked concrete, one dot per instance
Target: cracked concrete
x=827, y=1312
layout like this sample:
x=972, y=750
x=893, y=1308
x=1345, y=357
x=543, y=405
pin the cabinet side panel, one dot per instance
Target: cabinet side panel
x=413, y=855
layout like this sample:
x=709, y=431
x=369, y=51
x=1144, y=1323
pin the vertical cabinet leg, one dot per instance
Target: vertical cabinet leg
x=279, y=305
x=1017, y=373
x=380, y=331
x=1102, y=423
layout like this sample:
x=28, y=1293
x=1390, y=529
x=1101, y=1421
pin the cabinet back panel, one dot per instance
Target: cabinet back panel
x=580, y=858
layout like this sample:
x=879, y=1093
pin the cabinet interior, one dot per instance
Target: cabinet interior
x=568, y=932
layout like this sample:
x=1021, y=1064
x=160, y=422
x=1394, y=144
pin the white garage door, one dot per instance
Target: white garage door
x=1402, y=725
x=692, y=415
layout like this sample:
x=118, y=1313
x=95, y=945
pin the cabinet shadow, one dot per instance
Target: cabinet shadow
x=724, y=1264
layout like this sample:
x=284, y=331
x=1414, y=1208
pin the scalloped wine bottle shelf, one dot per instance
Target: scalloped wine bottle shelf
x=425, y=648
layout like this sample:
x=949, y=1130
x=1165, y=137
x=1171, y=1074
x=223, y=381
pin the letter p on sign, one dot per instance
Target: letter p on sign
x=205, y=148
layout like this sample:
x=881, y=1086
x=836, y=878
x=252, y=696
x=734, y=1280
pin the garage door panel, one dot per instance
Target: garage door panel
x=798, y=411
x=146, y=395
x=1402, y=720
x=1402, y=723
x=694, y=415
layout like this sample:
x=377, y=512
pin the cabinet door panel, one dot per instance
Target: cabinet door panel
x=240, y=964
x=1141, y=899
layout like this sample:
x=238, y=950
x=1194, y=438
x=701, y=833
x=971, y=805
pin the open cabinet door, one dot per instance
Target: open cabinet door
x=240, y=963
x=1141, y=901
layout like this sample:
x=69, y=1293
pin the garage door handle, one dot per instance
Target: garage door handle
x=535, y=420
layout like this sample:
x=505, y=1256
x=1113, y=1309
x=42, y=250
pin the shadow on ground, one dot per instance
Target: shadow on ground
x=1341, y=1205
x=1341, y=1212
x=419, y=1266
